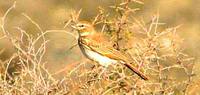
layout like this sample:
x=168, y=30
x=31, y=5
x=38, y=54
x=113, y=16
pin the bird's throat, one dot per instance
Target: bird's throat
x=83, y=34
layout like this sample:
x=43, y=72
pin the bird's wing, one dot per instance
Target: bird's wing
x=105, y=49
x=109, y=51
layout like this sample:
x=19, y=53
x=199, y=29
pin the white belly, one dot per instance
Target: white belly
x=103, y=60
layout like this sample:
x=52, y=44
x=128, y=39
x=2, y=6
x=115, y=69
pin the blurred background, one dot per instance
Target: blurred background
x=52, y=14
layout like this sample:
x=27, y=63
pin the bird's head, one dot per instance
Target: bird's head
x=84, y=28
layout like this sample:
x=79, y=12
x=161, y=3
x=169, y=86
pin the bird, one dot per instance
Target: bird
x=96, y=47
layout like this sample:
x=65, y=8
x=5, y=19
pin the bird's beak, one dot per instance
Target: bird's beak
x=74, y=26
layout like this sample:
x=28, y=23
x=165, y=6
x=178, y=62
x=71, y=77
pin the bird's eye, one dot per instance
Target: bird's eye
x=81, y=25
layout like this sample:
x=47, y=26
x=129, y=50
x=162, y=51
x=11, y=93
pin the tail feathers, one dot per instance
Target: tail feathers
x=135, y=70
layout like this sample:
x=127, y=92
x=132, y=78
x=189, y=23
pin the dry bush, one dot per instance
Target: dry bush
x=25, y=73
x=154, y=49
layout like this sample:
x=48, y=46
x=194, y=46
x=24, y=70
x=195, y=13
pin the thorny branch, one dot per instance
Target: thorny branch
x=157, y=52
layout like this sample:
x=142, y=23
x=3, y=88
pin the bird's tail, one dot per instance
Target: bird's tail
x=135, y=70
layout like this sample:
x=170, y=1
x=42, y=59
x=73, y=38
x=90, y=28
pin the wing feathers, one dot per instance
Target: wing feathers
x=107, y=50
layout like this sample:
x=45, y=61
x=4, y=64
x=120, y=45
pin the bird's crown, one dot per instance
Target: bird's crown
x=84, y=28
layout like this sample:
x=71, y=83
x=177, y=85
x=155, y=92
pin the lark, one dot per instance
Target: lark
x=96, y=47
